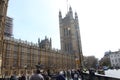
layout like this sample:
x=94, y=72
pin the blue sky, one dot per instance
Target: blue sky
x=99, y=22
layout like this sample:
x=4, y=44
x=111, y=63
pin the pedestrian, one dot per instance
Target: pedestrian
x=45, y=75
x=23, y=77
x=60, y=76
x=72, y=74
x=81, y=74
x=68, y=75
x=13, y=77
x=64, y=73
x=37, y=76
x=76, y=76
x=91, y=74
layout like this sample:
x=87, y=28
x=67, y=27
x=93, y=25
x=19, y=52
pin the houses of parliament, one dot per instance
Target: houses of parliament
x=18, y=56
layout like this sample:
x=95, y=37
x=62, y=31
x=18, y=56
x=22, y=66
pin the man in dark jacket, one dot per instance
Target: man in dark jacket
x=23, y=77
x=91, y=74
x=37, y=76
x=60, y=76
x=13, y=77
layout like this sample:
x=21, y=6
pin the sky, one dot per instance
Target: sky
x=99, y=22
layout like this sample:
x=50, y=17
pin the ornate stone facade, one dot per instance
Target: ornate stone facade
x=70, y=35
x=20, y=56
x=3, y=11
x=45, y=44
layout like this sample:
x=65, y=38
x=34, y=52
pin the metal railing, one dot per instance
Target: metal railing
x=87, y=76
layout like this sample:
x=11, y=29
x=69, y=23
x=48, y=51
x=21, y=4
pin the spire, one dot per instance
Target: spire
x=76, y=17
x=50, y=42
x=45, y=37
x=67, y=4
x=38, y=40
x=60, y=15
x=70, y=13
x=70, y=9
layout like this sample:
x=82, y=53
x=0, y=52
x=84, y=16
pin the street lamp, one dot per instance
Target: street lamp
x=0, y=66
x=38, y=65
x=25, y=69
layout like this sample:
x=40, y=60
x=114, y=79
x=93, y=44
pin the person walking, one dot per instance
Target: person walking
x=68, y=75
x=45, y=75
x=80, y=71
x=60, y=76
x=23, y=77
x=76, y=75
x=37, y=76
x=13, y=77
x=72, y=74
x=91, y=74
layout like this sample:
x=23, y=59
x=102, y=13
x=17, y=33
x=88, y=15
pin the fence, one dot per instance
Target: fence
x=86, y=76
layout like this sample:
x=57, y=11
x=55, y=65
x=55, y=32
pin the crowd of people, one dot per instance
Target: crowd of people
x=61, y=75
x=69, y=75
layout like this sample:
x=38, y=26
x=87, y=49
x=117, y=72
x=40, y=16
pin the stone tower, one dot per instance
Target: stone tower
x=70, y=35
x=45, y=44
x=3, y=12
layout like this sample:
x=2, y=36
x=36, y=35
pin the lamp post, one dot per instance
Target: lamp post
x=38, y=66
x=25, y=69
x=0, y=66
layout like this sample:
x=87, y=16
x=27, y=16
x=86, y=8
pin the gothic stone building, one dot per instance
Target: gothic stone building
x=3, y=11
x=22, y=57
x=70, y=35
x=19, y=56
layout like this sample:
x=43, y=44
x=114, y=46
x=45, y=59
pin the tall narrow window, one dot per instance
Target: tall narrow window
x=68, y=31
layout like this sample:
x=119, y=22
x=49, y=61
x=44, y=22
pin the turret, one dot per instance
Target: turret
x=60, y=17
x=70, y=9
x=51, y=43
x=45, y=37
x=70, y=12
x=39, y=42
x=76, y=17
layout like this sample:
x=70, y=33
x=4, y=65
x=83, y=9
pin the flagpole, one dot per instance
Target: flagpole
x=67, y=5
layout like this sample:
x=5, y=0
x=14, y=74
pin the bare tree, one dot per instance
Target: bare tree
x=90, y=62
